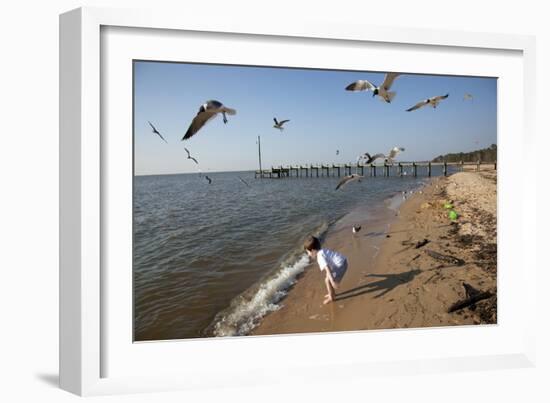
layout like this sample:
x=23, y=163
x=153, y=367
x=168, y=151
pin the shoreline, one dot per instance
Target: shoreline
x=267, y=295
x=392, y=284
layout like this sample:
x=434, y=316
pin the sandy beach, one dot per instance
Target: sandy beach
x=407, y=268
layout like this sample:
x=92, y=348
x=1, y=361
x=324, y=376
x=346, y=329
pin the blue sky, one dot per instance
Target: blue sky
x=323, y=116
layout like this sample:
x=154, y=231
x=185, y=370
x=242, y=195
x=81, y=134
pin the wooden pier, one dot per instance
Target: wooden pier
x=337, y=170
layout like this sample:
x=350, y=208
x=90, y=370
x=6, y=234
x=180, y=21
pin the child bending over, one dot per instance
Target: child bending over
x=332, y=263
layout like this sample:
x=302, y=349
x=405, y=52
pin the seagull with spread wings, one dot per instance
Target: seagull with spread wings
x=207, y=111
x=243, y=181
x=433, y=101
x=369, y=159
x=383, y=91
x=393, y=153
x=189, y=156
x=157, y=132
x=279, y=125
x=347, y=179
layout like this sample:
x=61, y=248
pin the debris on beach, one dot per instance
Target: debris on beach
x=417, y=245
x=421, y=243
x=453, y=215
x=445, y=258
x=473, y=295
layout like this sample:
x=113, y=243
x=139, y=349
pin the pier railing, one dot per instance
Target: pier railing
x=400, y=169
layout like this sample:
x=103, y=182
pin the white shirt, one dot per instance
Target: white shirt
x=334, y=260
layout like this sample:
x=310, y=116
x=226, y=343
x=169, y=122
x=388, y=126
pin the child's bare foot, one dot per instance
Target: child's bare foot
x=327, y=300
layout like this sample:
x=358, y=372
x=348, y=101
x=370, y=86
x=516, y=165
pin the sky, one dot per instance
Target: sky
x=324, y=117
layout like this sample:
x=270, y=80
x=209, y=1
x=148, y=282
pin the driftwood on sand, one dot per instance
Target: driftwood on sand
x=472, y=296
x=445, y=258
x=417, y=245
x=421, y=243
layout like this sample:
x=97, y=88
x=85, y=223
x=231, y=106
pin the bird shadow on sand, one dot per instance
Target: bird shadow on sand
x=386, y=283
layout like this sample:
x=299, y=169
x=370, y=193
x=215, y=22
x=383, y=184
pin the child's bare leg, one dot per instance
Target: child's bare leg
x=330, y=296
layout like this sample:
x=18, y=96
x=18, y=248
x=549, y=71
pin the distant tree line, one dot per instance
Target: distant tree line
x=484, y=155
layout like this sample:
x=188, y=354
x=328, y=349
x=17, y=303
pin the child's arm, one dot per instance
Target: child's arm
x=330, y=278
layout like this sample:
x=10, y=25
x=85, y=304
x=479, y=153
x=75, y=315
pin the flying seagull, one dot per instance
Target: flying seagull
x=433, y=101
x=347, y=179
x=157, y=132
x=207, y=111
x=243, y=181
x=393, y=153
x=189, y=155
x=383, y=91
x=208, y=179
x=370, y=159
x=468, y=97
x=279, y=125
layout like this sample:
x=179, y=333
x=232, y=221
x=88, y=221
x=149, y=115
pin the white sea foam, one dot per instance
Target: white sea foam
x=245, y=312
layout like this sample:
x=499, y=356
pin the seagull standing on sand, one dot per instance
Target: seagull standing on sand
x=355, y=229
x=347, y=179
x=189, y=156
x=383, y=91
x=157, y=132
x=279, y=125
x=393, y=153
x=207, y=111
x=433, y=101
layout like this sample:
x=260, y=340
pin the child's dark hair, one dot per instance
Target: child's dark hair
x=312, y=243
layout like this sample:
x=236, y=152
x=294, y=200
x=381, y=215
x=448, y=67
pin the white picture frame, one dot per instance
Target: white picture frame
x=86, y=345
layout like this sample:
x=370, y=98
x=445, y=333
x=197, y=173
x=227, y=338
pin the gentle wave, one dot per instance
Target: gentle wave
x=210, y=260
x=245, y=312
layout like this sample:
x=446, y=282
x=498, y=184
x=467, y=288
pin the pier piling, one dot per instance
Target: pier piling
x=401, y=167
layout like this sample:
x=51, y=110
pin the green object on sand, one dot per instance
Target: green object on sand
x=448, y=205
x=453, y=215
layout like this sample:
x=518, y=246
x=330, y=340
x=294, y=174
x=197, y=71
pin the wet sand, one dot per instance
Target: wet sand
x=390, y=282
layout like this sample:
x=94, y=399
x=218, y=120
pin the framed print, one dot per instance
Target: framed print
x=236, y=195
